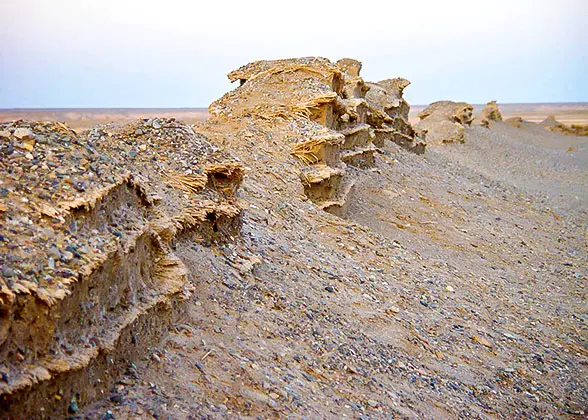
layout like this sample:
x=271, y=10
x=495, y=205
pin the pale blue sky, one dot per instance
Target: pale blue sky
x=141, y=53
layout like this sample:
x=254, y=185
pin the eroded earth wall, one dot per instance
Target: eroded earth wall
x=90, y=277
x=89, y=274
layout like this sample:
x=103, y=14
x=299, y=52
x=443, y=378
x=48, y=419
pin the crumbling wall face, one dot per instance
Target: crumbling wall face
x=388, y=115
x=358, y=147
x=323, y=109
x=309, y=100
x=445, y=122
x=87, y=226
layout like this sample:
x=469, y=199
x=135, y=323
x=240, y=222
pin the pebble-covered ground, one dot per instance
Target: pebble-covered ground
x=455, y=288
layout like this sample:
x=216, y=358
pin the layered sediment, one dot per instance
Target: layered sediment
x=388, y=115
x=331, y=120
x=89, y=276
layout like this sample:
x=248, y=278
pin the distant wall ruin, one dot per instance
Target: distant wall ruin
x=445, y=122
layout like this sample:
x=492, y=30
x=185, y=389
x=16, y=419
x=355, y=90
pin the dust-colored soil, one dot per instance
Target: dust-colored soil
x=452, y=284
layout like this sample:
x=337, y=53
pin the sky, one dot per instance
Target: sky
x=176, y=53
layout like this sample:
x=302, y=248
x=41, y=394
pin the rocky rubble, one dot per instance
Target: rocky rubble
x=445, y=122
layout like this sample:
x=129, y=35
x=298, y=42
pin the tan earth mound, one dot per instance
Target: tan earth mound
x=445, y=122
x=490, y=113
x=515, y=122
x=87, y=249
x=551, y=124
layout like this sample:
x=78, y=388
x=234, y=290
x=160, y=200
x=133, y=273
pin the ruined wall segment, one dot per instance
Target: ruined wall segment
x=490, y=114
x=88, y=224
x=388, y=115
x=445, y=122
x=302, y=99
x=551, y=124
x=329, y=119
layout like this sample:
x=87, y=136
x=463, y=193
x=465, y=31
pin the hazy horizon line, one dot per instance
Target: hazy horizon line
x=206, y=107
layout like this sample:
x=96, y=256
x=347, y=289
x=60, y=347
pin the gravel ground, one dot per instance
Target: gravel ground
x=455, y=288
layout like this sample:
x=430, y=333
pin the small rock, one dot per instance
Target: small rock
x=392, y=310
x=373, y=403
x=67, y=256
x=108, y=415
x=7, y=271
x=27, y=146
x=73, y=406
x=79, y=185
x=53, y=252
x=450, y=289
x=23, y=133
x=116, y=398
x=330, y=289
x=481, y=340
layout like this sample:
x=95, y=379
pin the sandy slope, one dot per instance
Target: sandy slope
x=456, y=287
